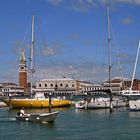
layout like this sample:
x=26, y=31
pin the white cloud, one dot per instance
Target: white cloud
x=83, y=5
x=129, y=1
x=136, y=2
x=127, y=20
x=55, y=2
x=83, y=71
x=86, y=5
x=54, y=49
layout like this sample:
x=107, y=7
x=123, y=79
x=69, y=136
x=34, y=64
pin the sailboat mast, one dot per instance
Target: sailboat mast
x=109, y=39
x=32, y=55
x=135, y=66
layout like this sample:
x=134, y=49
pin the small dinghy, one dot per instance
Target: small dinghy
x=45, y=117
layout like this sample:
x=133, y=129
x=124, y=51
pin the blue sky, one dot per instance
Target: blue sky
x=70, y=38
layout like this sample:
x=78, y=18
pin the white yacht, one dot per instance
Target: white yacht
x=133, y=95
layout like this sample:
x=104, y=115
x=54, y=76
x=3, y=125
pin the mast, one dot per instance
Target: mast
x=31, y=57
x=109, y=55
x=135, y=66
x=109, y=39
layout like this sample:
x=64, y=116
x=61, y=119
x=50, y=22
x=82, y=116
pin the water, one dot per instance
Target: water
x=73, y=124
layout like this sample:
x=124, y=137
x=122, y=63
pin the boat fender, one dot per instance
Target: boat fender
x=31, y=104
x=42, y=104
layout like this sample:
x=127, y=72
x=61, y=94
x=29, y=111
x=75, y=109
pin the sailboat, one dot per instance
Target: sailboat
x=102, y=102
x=133, y=95
x=38, y=101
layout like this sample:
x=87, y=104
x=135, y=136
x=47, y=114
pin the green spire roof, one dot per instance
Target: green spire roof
x=22, y=57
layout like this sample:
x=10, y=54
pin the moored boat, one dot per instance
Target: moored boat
x=133, y=95
x=39, y=101
x=33, y=103
x=100, y=103
x=2, y=104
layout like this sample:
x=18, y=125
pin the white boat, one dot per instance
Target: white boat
x=133, y=95
x=2, y=104
x=80, y=104
x=133, y=99
x=129, y=92
x=134, y=105
x=45, y=117
x=100, y=103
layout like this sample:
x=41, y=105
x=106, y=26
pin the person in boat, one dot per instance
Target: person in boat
x=22, y=112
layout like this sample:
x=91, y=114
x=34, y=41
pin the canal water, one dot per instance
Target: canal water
x=73, y=124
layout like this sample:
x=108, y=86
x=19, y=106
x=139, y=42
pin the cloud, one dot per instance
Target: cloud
x=127, y=20
x=54, y=49
x=136, y=2
x=86, y=71
x=55, y=2
x=75, y=37
x=83, y=5
x=86, y=5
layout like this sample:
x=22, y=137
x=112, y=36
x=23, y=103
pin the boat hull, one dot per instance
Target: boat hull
x=46, y=117
x=2, y=104
x=33, y=103
x=106, y=104
x=100, y=104
x=134, y=105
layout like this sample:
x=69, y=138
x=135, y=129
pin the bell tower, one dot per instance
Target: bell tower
x=23, y=72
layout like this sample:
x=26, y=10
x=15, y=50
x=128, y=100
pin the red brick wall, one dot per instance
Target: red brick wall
x=23, y=80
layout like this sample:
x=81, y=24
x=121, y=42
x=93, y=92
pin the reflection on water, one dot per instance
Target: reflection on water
x=92, y=111
x=134, y=114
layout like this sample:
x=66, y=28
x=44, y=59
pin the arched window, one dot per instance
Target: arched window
x=61, y=85
x=39, y=85
x=45, y=85
x=51, y=85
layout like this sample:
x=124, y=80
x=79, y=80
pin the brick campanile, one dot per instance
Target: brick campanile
x=23, y=72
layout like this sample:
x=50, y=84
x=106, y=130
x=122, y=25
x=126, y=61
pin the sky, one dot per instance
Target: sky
x=70, y=38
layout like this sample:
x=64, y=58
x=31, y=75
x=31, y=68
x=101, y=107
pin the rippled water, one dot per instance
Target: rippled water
x=73, y=124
